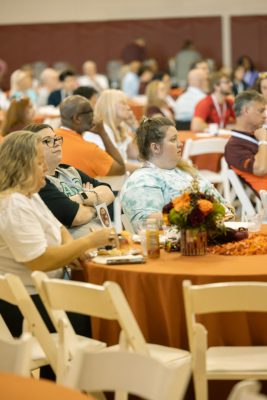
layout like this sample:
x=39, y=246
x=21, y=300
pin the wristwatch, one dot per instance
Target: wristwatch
x=83, y=196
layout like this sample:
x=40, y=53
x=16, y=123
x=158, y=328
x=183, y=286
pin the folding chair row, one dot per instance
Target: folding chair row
x=107, y=301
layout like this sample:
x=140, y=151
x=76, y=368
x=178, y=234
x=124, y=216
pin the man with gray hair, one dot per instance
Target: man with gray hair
x=246, y=150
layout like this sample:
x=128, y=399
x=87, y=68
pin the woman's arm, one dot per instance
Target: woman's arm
x=57, y=257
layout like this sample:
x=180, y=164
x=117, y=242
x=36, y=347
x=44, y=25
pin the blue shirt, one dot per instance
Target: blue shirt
x=148, y=189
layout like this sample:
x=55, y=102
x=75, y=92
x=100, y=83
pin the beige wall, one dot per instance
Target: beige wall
x=27, y=11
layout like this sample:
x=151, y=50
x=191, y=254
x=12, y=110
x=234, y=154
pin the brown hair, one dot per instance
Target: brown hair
x=153, y=130
x=15, y=117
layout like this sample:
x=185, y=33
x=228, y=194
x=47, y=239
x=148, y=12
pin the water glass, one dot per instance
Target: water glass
x=254, y=221
x=141, y=232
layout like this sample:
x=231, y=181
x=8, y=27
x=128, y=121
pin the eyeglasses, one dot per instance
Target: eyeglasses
x=51, y=142
x=263, y=75
x=225, y=81
x=85, y=112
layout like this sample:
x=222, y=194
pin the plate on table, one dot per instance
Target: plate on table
x=236, y=224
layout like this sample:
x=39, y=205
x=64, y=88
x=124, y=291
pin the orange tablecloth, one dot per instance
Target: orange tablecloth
x=14, y=387
x=154, y=291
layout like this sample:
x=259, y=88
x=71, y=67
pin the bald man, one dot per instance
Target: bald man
x=77, y=117
x=92, y=78
x=185, y=104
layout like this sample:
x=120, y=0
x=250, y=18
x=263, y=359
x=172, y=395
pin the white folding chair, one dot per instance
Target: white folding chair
x=132, y=373
x=13, y=292
x=263, y=196
x=116, y=183
x=107, y=301
x=47, y=345
x=247, y=207
x=246, y=390
x=223, y=362
x=16, y=354
x=210, y=146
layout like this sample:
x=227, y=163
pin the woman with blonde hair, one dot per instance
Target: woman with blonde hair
x=21, y=85
x=119, y=122
x=157, y=105
x=164, y=174
x=31, y=238
x=19, y=114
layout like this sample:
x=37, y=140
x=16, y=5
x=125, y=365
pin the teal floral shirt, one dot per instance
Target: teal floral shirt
x=148, y=189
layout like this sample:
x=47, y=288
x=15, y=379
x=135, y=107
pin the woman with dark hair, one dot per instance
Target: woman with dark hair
x=250, y=72
x=164, y=174
x=19, y=114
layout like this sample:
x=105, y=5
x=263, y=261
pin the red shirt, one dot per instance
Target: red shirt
x=206, y=109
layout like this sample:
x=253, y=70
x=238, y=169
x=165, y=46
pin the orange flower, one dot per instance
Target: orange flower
x=205, y=206
x=182, y=202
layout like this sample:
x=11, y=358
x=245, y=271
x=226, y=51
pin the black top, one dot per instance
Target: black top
x=63, y=208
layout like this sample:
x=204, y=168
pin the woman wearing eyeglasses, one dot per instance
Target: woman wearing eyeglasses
x=31, y=238
x=19, y=114
x=69, y=193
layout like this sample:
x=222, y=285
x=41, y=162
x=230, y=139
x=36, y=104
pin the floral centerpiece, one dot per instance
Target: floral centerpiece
x=194, y=213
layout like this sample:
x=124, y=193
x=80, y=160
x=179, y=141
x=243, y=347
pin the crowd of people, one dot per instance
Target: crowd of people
x=48, y=177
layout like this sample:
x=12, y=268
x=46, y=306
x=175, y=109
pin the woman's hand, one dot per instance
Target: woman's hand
x=101, y=237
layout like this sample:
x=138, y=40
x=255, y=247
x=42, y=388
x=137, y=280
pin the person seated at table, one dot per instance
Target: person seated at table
x=113, y=111
x=19, y=114
x=77, y=117
x=246, y=150
x=91, y=78
x=21, y=85
x=157, y=105
x=49, y=82
x=89, y=92
x=68, y=82
x=31, y=238
x=130, y=81
x=164, y=175
x=69, y=193
x=216, y=107
x=185, y=104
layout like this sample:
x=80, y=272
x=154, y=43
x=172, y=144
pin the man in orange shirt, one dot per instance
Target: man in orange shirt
x=77, y=117
x=246, y=150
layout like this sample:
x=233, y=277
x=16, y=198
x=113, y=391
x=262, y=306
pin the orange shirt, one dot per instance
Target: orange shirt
x=86, y=156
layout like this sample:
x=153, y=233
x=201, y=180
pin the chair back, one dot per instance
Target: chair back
x=116, y=182
x=246, y=390
x=16, y=354
x=210, y=146
x=107, y=301
x=263, y=196
x=246, y=204
x=222, y=297
x=126, y=223
x=133, y=373
x=203, y=146
x=13, y=291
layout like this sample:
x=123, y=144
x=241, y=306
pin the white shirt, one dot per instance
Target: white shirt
x=185, y=104
x=27, y=228
x=121, y=146
x=100, y=82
